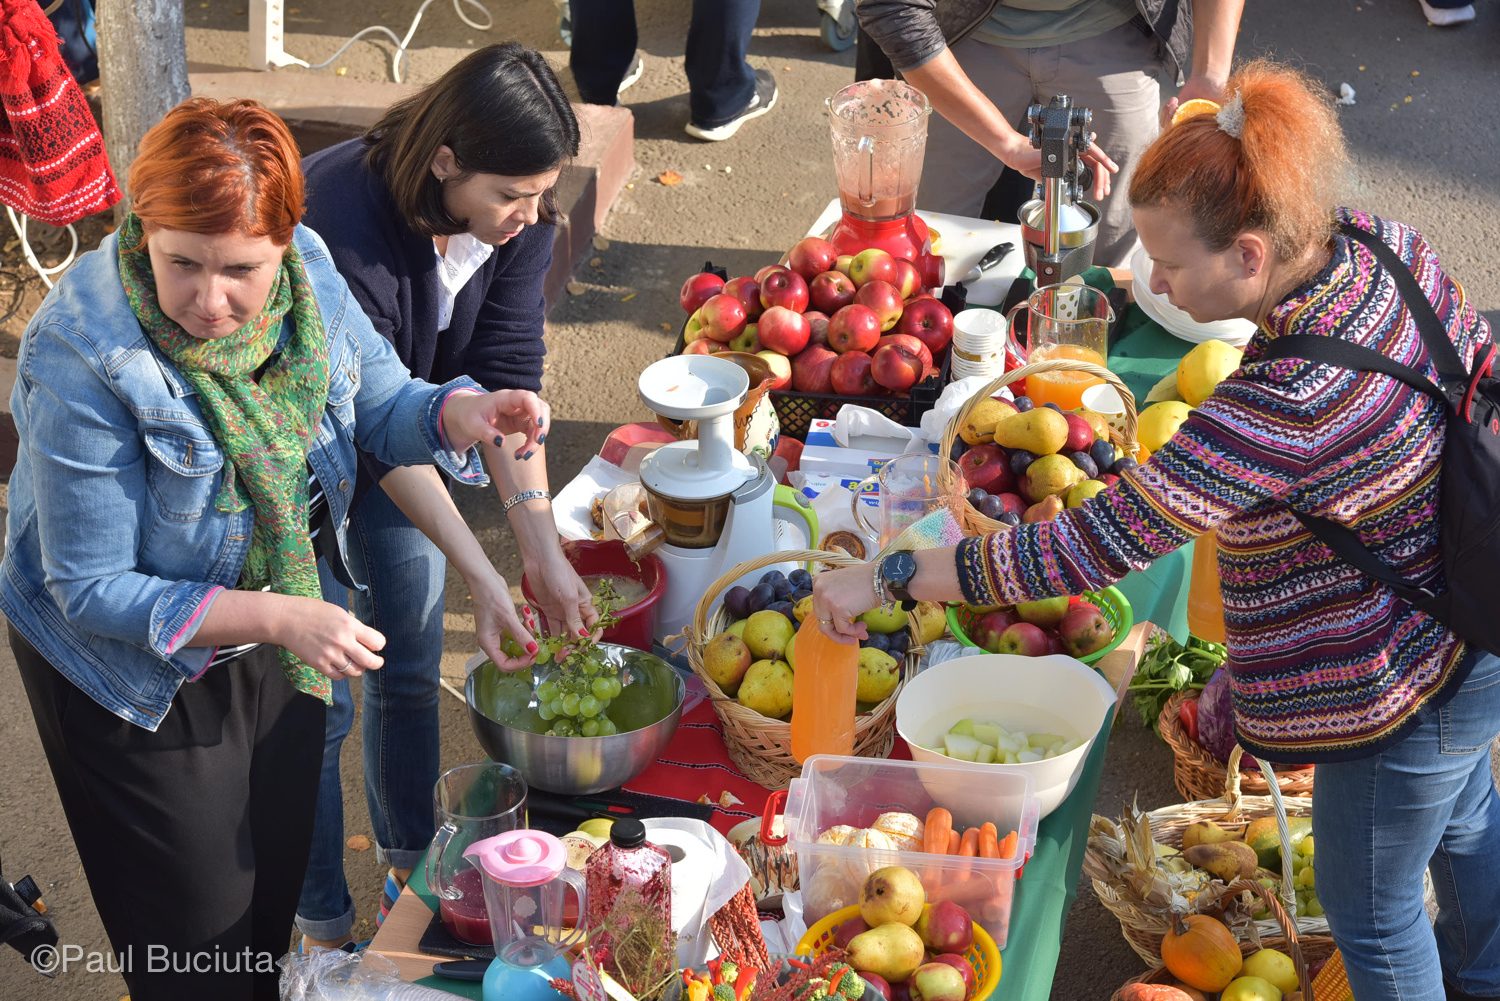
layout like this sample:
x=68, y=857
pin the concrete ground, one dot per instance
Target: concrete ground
x=1426, y=141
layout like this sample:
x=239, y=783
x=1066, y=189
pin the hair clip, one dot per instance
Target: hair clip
x=1231, y=116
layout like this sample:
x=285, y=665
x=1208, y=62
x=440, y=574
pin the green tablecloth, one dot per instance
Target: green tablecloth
x=1043, y=895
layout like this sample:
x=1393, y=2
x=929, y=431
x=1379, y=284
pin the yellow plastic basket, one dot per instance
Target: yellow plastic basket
x=982, y=954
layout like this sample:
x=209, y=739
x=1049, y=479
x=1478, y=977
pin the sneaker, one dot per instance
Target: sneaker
x=565, y=22
x=1443, y=17
x=763, y=101
x=633, y=75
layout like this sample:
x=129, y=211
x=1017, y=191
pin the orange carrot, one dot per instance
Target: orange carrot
x=953, y=842
x=1009, y=845
x=989, y=844
x=969, y=846
x=936, y=831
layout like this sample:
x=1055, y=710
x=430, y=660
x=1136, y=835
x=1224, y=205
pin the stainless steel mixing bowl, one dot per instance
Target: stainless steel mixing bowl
x=502, y=710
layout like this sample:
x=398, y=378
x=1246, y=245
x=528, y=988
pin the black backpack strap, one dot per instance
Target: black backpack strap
x=1336, y=351
x=1445, y=357
x=1347, y=547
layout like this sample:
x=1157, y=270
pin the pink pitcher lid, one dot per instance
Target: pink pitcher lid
x=519, y=858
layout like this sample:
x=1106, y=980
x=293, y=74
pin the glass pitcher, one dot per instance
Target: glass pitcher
x=525, y=873
x=912, y=486
x=471, y=803
x=1067, y=321
x=879, y=135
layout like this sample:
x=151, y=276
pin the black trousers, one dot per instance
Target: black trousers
x=720, y=81
x=194, y=838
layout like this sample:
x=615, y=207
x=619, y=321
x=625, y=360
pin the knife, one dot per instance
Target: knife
x=992, y=257
x=472, y=970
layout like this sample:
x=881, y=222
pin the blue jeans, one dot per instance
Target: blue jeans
x=1427, y=802
x=405, y=574
x=720, y=81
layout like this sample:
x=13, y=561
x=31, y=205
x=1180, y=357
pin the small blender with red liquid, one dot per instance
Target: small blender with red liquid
x=879, y=135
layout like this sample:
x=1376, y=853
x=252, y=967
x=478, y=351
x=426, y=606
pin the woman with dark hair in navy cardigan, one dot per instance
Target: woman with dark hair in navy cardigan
x=439, y=218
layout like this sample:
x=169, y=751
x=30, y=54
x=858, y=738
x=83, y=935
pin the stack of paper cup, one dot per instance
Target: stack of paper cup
x=1105, y=400
x=978, y=343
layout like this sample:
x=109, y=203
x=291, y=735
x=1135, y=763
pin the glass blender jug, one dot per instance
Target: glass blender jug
x=471, y=803
x=879, y=137
x=525, y=873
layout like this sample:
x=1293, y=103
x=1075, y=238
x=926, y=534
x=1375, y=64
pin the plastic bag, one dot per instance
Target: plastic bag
x=335, y=975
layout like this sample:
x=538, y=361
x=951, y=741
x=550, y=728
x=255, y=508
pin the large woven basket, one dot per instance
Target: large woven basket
x=759, y=746
x=977, y=524
x=1199, y=775
x=1303, y=949
x=1143, y=922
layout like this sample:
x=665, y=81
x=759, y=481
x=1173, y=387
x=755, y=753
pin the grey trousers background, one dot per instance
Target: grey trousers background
x=1116, y=75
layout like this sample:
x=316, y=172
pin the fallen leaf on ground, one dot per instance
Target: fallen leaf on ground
x=670, y=178
x=575, y=288
x=601, y=244
x=628, y=296
x=596, y=262
x=358, y=843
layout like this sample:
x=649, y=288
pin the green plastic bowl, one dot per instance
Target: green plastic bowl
x=1110, y=601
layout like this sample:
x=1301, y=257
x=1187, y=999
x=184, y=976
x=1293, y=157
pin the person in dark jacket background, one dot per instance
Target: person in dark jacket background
x=440, y=219
x=981, y=62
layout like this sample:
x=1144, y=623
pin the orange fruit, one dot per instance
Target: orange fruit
x=1189, y=109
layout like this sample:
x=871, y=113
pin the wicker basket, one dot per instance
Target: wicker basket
x=1303, y=949
x=977, y=524
x=1144, y=923
x=1199, y=775
x=759, y=746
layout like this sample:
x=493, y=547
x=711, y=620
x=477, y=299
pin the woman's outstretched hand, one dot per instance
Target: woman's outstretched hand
x=472, y=417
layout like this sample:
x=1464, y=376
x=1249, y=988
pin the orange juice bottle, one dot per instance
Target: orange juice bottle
x=1063, y=388
x=1205, y=611
x=824, y=682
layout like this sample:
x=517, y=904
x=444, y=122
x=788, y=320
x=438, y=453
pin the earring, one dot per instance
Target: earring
x=1252, y=271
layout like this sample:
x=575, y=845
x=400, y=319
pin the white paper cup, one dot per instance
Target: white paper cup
x=979, y=331
x=1104, y=399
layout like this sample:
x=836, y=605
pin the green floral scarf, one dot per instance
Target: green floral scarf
x=264, y=427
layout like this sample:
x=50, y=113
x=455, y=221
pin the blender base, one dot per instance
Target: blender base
x=504, y=982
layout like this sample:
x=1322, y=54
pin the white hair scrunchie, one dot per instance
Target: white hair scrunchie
x=1231, y=117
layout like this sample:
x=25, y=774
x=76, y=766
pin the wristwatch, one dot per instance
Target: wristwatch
x=892, y=577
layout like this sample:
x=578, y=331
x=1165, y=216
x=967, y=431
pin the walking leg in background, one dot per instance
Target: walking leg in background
x=723, y=91
x=604, y=41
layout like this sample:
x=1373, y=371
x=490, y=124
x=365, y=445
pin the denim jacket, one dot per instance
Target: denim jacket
x=114, y=548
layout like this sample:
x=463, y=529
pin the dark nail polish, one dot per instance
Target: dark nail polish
x=527, y=456
x=541, y=439
x=540, y=421
x=499, y=440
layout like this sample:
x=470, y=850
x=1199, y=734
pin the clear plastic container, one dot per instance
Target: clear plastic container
x=852, y=791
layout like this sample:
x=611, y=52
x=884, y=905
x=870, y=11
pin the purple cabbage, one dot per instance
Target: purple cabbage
x=1216, y=716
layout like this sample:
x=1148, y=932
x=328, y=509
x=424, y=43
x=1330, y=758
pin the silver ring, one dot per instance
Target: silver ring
x=348, y=667
x=826, y=622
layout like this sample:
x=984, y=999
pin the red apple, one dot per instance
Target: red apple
x=964, y=967
x=723, y=318
x=928, y=320
x=830, y=292
x=748, y=339
x=851, y=374
x=812, y=370
x=702, y=346
x=1024, y=639
x=846, y=931
x=910, y=343
x=784, y=330
x=693, y=329
x=882, y=297
x=985, y=468
x=781, y=368
x=783, y=288
x=812, y=256
x=1014, y=503
x=818, y=323
x=946, y=927
x=1109, y=479
x=1054, y=645
x=760, y=276
x=908, y=281
x=991, y=626
x=1080, y=434
x=896, y=367
x=937, y=982
x=698, y=289
x=878, y=982
x=747, y=291
x=1084, y=630
x=843, y=264
x=854, y=328
x=872, y=265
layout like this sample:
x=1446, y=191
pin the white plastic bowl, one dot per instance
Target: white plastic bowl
x=1178, y=322
x=1053, y=694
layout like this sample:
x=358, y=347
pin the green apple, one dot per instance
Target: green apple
x=1047, y=612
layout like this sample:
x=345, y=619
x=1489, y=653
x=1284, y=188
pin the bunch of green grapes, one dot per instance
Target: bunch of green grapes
x=575, y=694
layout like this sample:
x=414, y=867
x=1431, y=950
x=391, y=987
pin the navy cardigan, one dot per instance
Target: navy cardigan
x=495, y=334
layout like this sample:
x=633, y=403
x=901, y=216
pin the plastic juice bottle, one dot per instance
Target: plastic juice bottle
x=1205, y=611
x=825, y=679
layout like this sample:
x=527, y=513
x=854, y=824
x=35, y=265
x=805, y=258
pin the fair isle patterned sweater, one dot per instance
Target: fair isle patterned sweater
x=1326, y=664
